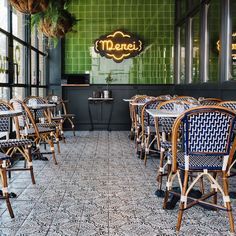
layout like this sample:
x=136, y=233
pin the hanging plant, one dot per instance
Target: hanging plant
x=29, y=6
x=56, y=21
x=60, y=25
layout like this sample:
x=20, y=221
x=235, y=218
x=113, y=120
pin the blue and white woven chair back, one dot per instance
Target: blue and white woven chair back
x=39, y=100
x=209, y=102
x=139, y=108
x=229, y=104
x=207, y=131
x=167, y=123
x=17, y=105
x=149, y=120
x=4, y=122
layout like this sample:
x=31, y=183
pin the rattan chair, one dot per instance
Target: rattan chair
x=229, y=104
x=206, y=136
x=165, y=97
x=150, y=136
x=29, y=129
x=186, y=98
x=61, y=109
x=137, y=120
x=210, y=101
x=46, y=115
x=13, y=146
x=165, y=144
x=5, y=195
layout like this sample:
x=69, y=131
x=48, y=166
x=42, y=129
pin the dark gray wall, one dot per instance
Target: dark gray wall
x=78, y=100
x=78, y=104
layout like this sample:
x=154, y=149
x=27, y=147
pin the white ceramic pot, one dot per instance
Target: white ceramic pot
x=106, y=93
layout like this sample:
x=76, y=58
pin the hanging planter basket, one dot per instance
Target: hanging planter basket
x=29, y=6
x=64, y=24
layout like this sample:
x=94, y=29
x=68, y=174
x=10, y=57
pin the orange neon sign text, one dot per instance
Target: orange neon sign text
x=118, y=46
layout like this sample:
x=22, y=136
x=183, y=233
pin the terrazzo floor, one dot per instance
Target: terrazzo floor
x=99, y=187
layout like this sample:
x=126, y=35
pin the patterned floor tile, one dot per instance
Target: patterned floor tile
x=99, y=187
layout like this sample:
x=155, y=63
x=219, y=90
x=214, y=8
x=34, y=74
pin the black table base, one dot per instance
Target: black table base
x=92, y=101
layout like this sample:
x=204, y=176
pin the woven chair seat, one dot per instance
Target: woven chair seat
x=199, y=162
x=4, y=157
x=14, y=143
x=167, y=145
x=41, y=130
x=47, y=125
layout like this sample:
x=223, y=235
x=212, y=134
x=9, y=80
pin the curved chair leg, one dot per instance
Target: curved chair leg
x=50, y=142
x=146, y=148
x=3, y=174
x=182, y=203
x=72, y=125
x=57, y=140
x=215, y=196
x=29, y=162
x=161, y=171
x=228, y=204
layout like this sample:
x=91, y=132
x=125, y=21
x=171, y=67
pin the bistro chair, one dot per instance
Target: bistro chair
x=12, y=146
x=29, y=129
x=209, y=101
x=137, y=110
x=164, y=97
x=229, y=104
x=149, y=134
x=186, y=98
x=45, y=115
x=166, y=124
x=61, y=113
x=5, y=195
x=206, y=150
x=132, y=114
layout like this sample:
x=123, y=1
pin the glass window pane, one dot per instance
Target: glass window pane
x=3, y=59
x=18, y=24
x=196, y=49
x=214, y=36
x=33, y=67
x=42, y=70
x=34, y=92
x=42, y=92
x=4, y=14
x=33, y=37
x=41, y=41
x=182, y=54
x=19, y=63
x=5, y=93
x=18, y=92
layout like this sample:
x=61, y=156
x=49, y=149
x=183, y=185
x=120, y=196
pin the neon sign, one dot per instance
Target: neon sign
x=118, y=46
x=233, y=46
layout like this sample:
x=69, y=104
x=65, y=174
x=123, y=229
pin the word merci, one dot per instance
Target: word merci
x=118, y=46
x=233, y=46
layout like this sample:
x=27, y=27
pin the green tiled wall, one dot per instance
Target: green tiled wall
x=152, y=20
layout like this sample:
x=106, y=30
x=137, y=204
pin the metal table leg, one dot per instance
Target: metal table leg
x=90, y=116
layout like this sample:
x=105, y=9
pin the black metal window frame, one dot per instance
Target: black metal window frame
x=225, y=39
x=12, y=83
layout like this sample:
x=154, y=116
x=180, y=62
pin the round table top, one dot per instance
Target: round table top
x=40, y=106
x=10, y=113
